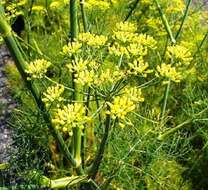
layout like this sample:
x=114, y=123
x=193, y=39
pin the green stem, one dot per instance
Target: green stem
x=84, y=17
x=134, y=6
x=170, y=131
x=198, y=50
x=84, y=136
x=73, y=19
x=57, y=183
x=183, y=20
x=99, y=156
x=165, y=22
x=165, y=101
x=77, y=131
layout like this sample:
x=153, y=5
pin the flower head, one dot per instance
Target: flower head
x=167, y=71
x=71, y=48
x=71, y=115
x=52, y=94
x=122, y=105
x=93, y=40
x=181, y=54
x=139, y=66
x=38, y=68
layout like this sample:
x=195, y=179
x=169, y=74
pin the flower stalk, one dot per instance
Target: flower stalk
x=99, y=156
x=84, y=17
x=77, y=131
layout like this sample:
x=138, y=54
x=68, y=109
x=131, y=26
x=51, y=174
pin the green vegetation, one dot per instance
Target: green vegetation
x=111, y=94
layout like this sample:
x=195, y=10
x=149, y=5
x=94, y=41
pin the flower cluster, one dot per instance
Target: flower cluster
x=139, y=67
x=124, y=32
x=109, y=76
x=84, y=71
x=101, y=5
x=118, y=50
x=13, y=9
x=122, y=105
x=180, y=58
x=87, y=73
x=38, y=8
x=125, y=27
x=38, y=68
x=169, y=72
x=93, y=40
x=56, y=5
x=53, y=94
x=134, y=94
x=21, y=2
x=71, y=115
x=133, y=46
x=175, y=6
x=71, y=48
x=180, y=54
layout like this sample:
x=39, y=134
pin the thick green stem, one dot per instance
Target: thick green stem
x=77, y=134
x=20, y=63
x=99, y=156
x=84, y=136
x=77, y=131
x=73, y=19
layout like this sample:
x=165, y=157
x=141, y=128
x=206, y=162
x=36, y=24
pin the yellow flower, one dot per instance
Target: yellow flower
x=137, y=50
x=134, y=94
x=166, y=70
x=21, y=2
x=124, y=32
x=85, y=77
x=71, y=48
x=123, y=36
x=56, y=5
x=84, y=71
x=71, y=115
x=38, y=8
x=139, y=67
x=92, y=4
x=93, y=39
x=109, y=76
x=118, y=50
x=38, y=68
x=78, y=65
x=145, y=40
x=124, y=104
x=126, y=27
x=119, y=109
x=175, y=6
x=181, y=54
x=52, y=94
